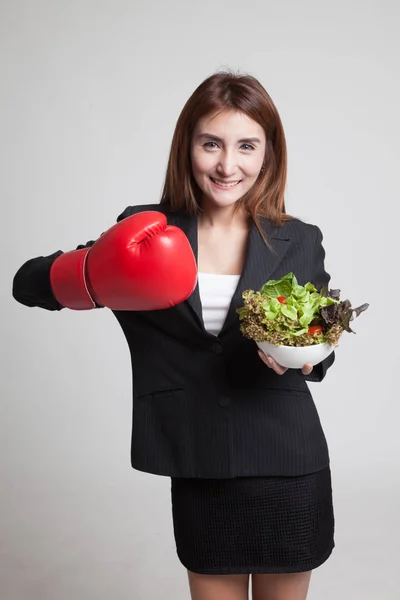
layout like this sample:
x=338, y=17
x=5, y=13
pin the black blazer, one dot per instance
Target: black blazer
x=206, y=405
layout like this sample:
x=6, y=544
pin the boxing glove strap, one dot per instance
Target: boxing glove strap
x=68, y=280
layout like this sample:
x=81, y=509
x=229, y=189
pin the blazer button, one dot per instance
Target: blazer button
x=224, y=401
x=217, y=348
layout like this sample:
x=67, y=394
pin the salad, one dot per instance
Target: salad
x=285, y=313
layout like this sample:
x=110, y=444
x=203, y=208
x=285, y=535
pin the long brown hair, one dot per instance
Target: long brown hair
x=226, y=90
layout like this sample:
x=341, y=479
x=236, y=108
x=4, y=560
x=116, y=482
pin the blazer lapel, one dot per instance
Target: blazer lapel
x=260, y=263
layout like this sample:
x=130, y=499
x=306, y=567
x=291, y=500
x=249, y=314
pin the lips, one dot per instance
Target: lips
x=226, y=184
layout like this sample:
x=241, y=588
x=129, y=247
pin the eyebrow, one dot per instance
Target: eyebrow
x=210, y=136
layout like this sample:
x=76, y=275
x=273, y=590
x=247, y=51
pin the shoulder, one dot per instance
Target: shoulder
x=133, y=210
x=293, y=229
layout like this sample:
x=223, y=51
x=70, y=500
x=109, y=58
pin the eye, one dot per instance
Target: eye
x=247, y=146
x=206, y=145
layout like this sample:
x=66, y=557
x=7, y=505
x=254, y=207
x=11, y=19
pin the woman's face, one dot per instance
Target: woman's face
x=226, y=149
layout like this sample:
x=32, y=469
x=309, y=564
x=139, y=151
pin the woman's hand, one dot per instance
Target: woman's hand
x=272, y=364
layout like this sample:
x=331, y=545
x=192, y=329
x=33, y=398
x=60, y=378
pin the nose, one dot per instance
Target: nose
x=227, y=163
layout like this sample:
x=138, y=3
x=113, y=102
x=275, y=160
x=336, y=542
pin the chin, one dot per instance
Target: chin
x=221, y=202
x=227, y=203
x=224, y=202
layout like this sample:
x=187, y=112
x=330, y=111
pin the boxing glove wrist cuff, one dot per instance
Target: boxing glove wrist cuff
x=69, y=283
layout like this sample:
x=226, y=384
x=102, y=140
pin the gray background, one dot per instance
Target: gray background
x=90, y=94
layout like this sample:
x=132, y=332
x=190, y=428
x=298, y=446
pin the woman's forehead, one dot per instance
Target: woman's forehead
x=228, y=124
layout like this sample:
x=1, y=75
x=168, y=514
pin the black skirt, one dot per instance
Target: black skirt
x=253, y=524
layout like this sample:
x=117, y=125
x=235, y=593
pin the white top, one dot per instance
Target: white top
x=216, y=293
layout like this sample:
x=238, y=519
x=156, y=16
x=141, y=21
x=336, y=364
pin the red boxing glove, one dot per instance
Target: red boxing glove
x=140, y=263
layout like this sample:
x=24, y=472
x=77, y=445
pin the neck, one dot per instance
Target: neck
x=222, y=217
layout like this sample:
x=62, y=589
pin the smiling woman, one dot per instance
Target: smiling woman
x=229, y=132
x=242, y=443
x=226, y=160
x=227, y=169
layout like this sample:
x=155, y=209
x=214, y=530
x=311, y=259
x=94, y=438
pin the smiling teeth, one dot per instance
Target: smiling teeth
x=231, y=184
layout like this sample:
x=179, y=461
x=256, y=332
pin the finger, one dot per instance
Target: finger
x=271, y=363
x=277, y=367
x=263, y=357
x=307, y=368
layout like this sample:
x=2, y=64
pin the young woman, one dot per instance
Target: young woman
x=238, y=434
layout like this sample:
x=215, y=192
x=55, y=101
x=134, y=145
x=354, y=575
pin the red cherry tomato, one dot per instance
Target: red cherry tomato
x=315, y=329
x=281, y=299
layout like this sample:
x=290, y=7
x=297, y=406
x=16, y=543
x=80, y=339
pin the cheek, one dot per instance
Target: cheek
x=254, y=168
x=202, y=163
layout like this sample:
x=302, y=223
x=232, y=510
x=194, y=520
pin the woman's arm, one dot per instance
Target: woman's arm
x=31, y=284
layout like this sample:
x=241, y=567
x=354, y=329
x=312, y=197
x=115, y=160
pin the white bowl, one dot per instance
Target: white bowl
x=295, y=357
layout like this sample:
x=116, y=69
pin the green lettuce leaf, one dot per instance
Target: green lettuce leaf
x=265, y=318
